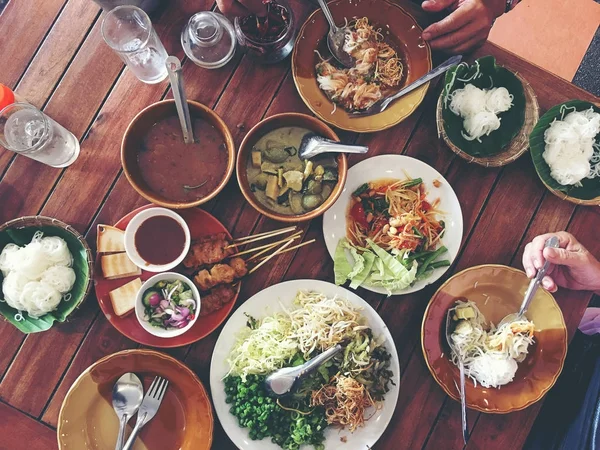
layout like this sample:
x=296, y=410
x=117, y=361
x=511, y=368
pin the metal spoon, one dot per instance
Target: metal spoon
x=284, y=381
x=532, y=288
x=183, y=111
x=127, y=395
x=313, y=145
x=336, y=38
x=381, y=105
x=461, y=366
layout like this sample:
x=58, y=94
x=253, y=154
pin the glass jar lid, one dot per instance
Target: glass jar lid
x=209, y=39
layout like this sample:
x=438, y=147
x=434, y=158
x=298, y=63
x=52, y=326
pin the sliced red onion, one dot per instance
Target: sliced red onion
x=164, y=304
x=183, y=311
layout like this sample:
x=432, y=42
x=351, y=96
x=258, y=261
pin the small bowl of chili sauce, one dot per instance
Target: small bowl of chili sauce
x=157, y=239
x=268, y=39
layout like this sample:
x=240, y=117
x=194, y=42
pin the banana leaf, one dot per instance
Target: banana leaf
x=511, y=121
x=22, y=237
x=590, y=188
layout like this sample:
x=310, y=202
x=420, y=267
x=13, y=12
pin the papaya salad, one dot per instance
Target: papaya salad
x=491, y=356
x=343, y=392
x=393, y=233
x=378, y=68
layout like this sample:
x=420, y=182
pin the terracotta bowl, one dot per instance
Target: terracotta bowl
x=270, y=124
x=497, y=290
x=138, y=128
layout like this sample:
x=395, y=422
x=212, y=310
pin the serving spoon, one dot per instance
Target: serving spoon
x=336, y=38
x=183, y=111
x=532, y=288
x=127, y=395
x=284, y=381
x=381, y=105
x=313, y=145
x=461, y=367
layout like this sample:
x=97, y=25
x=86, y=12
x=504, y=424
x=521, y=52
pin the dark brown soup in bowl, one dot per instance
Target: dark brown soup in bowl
x=164, y=169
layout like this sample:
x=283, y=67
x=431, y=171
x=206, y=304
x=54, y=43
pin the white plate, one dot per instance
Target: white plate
x=397, y=166
x=266, y=302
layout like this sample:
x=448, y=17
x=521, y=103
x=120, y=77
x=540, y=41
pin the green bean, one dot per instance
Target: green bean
x=411, y=183
x=361, y=190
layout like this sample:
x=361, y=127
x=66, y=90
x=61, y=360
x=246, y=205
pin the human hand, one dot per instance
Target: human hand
x=242, y=7
x=573, y=266
x=466, y=27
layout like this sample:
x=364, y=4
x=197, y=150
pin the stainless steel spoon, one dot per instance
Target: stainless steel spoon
x=313, y=145
x=336, y=38
x=532, y=288
x=284, y=381
x=127, y=396
x=183, y=111
x=381, y=105
x=461, y=366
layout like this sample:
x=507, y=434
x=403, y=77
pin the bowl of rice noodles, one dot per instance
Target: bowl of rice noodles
x=486, y=112
x=496, y=291
x=46, y=268
x=565, y=149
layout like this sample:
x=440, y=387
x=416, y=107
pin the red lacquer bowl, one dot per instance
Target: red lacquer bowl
x=201, y=224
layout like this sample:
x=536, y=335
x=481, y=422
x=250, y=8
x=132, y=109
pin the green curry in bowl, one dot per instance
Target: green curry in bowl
x=284, y=183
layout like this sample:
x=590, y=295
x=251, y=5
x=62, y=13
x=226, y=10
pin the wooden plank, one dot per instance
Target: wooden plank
x=57, y=50
x=20, y=432
x=25, y=23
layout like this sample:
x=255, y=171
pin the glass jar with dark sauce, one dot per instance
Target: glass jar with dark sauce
x=268, y=39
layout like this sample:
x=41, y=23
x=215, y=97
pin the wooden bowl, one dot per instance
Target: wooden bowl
x=139, y=127
x=517, y=146
x=497, y=291
x=270, y=124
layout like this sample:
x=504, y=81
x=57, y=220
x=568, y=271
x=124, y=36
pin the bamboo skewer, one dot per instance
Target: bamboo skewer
x=271, y=245
x=291, y=248
x=276, y=252
x=260, y=236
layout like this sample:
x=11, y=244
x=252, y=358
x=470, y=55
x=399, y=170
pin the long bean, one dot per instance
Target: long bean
x=423, y=266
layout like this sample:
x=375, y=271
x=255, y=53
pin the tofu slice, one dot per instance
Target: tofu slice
x=118, y=265
x=123, y=298
x=110, y=239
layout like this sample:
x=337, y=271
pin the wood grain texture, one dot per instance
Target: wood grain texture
x=64, y=64
x=20, y=432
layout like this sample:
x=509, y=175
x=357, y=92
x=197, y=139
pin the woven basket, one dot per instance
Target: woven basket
x=591, y=202
x=517, y=146
x=42, y=221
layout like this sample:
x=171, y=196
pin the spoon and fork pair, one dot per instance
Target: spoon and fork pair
x=128, y=398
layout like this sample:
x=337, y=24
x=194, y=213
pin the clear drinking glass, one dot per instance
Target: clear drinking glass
x=129, y=32
x=29, y=132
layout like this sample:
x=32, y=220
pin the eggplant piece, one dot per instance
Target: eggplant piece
x=260, y=181
x=275, y=154
x=313, y=187
x=296, y=202
x=310, y=201
x=327, y=190
x=330, y=175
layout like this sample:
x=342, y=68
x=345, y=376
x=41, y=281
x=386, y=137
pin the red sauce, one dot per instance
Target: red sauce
x=269, y=28
x=160, y=240
x=178, y=171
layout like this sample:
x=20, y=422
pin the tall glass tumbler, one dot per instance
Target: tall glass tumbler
x=129, y=32
x=29, y=132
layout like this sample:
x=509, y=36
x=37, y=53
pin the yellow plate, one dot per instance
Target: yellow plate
x=184, y=420
x=497, y=290
x=397, y=26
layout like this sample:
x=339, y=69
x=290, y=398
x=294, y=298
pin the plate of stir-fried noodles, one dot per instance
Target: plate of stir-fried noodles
x=396, y=227
x=388, y=52
x=346, y=404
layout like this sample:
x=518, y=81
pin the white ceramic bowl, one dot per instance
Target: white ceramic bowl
x=133, y=226
x=139, y=306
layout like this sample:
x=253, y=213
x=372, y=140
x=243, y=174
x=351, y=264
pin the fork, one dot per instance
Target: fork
x=148, y=408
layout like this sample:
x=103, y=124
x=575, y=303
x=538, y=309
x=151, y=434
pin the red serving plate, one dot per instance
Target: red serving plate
x=201, y=224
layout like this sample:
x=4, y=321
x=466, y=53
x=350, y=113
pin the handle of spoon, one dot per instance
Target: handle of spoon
x=328, y=16
x=345, y=148
x=435, y=72
x=183, y=111
x=320, y=359
x=463, y=403
x=121, y=436
x=535, y=282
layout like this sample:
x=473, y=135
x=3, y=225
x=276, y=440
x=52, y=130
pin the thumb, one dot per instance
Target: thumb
x=436, y=5
x=563, y=257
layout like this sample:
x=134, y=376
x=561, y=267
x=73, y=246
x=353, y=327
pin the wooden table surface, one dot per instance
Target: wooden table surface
x=53, y=55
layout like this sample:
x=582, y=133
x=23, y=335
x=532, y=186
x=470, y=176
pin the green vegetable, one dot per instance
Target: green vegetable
x=146, y=297
x=264, y=417
x=361, y=190
x=411, y=183
x=429, y=259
